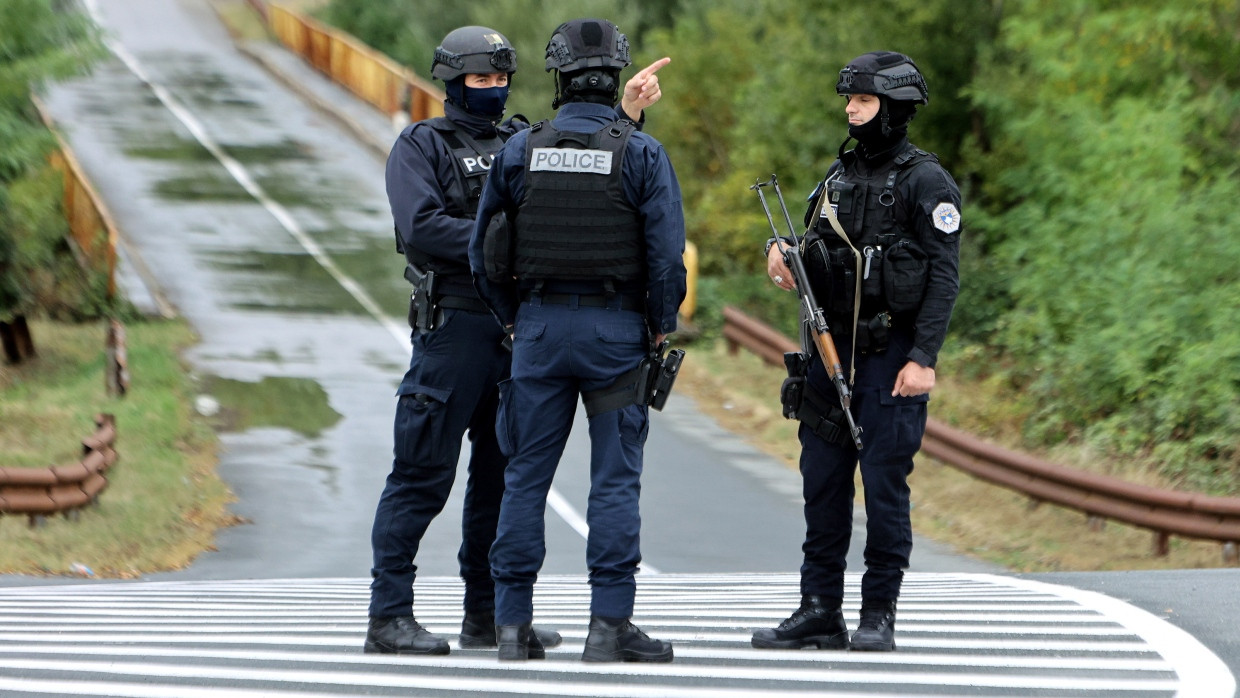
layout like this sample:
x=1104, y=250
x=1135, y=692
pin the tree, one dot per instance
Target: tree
x=39, y=40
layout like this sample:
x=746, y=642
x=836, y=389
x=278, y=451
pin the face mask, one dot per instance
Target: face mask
x=488, y=101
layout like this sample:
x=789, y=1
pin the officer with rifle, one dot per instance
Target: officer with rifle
x=435, y=174
x=878, y=275
x=589, y=284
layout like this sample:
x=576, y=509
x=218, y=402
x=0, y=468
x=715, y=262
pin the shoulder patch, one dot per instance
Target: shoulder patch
x=946, y=217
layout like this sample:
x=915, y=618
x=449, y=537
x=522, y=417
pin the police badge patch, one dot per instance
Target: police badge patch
x=946, y=217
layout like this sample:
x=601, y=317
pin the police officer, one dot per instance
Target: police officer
x=435, y=174
x=882, y=253
x=596, y=274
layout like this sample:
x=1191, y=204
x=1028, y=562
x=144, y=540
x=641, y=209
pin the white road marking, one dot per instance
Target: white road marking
x=302, y=638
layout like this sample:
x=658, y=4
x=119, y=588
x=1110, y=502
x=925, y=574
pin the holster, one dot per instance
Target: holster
x=648, y=384
x=802, y=402
x=423, y=306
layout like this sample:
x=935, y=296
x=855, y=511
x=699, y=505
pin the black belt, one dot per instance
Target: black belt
x=620, y=301
x=473, y=305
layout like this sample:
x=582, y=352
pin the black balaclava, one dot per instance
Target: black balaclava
x=480, y=104
x=888, y=128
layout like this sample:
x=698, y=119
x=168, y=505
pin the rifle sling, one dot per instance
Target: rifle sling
x=839, y=230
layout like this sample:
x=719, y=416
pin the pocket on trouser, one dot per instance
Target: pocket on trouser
x=503, y=419
x=634, y=424
x=907, y=416
x=421, y=422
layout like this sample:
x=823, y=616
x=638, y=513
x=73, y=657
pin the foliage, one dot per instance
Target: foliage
x=410, y=30
x=39, y=40
x=1113, y=176
x=1096, y=144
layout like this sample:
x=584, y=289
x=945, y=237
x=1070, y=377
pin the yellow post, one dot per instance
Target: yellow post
x=691, y=273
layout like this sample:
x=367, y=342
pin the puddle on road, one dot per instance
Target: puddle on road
x=286, y=283
x=200, y=84
x=203, y=185
x=296, y=404
x=202, y=178
x=192, y=151
x=295, y=281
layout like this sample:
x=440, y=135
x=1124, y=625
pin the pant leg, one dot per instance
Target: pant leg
x=886, y=463
x=537, y=405
x=484, y=485
x=613, y=549
x=436, y=400
x=609, y=343
x=827, y=471
x=483, y=492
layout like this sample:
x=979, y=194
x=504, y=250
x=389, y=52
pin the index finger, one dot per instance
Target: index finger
x=653, y=68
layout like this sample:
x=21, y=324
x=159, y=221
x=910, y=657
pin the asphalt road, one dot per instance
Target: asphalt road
x=264, y=222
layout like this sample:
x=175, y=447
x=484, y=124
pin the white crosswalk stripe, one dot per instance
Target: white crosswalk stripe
x=975, y=635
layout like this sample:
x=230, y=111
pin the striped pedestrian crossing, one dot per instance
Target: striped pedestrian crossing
x=958, y=635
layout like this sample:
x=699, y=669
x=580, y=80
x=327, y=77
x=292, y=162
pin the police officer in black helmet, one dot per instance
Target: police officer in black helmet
x=882, y=253
x=435, y=174
x=594, y=275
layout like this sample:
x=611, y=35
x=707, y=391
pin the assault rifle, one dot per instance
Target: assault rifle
x=813, y=311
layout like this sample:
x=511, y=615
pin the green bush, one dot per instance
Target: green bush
x=39, y=40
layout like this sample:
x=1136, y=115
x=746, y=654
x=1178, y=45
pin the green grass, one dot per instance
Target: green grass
x=164, y=500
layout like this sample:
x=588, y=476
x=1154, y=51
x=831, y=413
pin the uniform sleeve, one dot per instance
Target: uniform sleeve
x=416, y=173
x=659, y=197
x=936, y=221
x=623, y=116
x=496, y=200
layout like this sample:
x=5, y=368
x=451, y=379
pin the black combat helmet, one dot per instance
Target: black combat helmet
x=587, y=43
x=473, y=50
x=886, y=74
x=587, y=55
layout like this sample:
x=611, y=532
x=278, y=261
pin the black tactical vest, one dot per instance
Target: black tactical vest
x=892, y=264
x=471, y=163
x=574, y=222
x=472, y=160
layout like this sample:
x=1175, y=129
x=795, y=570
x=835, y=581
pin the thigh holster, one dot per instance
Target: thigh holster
x=802, y=402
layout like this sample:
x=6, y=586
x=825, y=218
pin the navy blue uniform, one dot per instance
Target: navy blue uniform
x=450, y=387
x=563, y=346
x=879, y=202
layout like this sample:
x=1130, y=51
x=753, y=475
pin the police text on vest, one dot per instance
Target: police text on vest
x=571, y=160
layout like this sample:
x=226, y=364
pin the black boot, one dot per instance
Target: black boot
x=402, y=635
x=478, y=631
x=518, y=643
x=618, y=640
x=819, y=622
x=877, y=632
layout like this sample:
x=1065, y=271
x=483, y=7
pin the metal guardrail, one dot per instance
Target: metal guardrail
x=369, y=74
x=37, y=492
x=1165, y=512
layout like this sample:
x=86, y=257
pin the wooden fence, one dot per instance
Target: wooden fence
x=91, y=228
x=369, y=74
